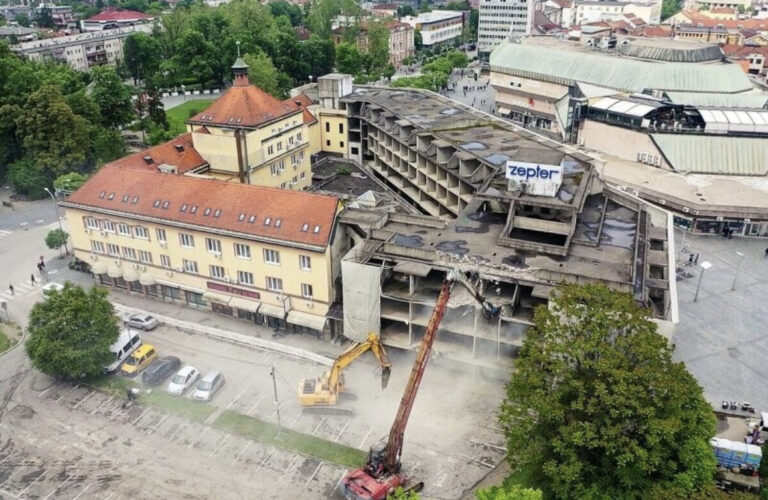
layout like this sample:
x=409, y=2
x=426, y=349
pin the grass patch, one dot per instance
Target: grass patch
x=7, y=331
x=178, y=116
x=178, y=405
x=529, y=476
x=266, y=432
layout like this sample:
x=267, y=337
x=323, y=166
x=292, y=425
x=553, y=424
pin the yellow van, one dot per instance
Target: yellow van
x=138, y=360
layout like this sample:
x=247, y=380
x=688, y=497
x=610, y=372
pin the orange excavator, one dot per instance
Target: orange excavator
x=382, y=475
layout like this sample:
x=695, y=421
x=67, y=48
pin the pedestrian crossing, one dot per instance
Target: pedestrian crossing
x=55, y=225
x=4, y=233
x=23, y=289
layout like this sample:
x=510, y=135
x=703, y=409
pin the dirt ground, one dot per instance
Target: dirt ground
x=69, y=441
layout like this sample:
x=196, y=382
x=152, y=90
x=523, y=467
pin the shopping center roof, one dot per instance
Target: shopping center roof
x=707, y=154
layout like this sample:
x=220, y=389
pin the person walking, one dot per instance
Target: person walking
x=32, y=279
x=10, y=288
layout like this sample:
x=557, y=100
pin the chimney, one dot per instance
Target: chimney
x=148, y=159
x=179, y=147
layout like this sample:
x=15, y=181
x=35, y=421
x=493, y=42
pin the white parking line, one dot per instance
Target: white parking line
x=33, y=482
x=69, y=391
x=241, y=452
x=199, y=437
x=140, y=416
x=186, y=424
x=6, y=492
x=102, y=404
x=83, y=400
x=342, y=430
x=59, y=486
x=313, y=475
x=83, y=491
x=20, y=467
x=235, y=400
x=218, y=446
x=294, y=420
x=48, y=389
x=318, y=425
x=335, y=488
x=256, y=404
x=365, y=438
x=266, y=458
x=154, y=427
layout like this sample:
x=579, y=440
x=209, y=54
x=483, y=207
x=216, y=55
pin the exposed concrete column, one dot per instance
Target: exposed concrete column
x=411, y=290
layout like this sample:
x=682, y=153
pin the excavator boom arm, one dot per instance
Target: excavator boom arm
x=354, y=352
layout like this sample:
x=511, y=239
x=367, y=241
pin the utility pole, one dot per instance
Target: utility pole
x=274, y=386
x=58, y=219
x=704, y=266
x=736, y=272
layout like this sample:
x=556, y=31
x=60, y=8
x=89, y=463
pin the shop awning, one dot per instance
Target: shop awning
x=503, y=111
x=245, y=304
x=147, y=279
x=305, y=319
x=114, y=271
x=131, y=274
x=216, y=297
x=270, y=310
x=99, y=267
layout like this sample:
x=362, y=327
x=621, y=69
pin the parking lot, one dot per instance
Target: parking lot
x=103, y=450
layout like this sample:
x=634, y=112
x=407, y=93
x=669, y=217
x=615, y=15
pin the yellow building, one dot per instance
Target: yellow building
x=262, y=254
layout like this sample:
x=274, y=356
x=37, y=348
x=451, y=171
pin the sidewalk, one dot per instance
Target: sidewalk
x=228, y=329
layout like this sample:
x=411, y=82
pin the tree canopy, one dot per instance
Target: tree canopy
x=71, y=331
x=597, y=405
x=56, y=239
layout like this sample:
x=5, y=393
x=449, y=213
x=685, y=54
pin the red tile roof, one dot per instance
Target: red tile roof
x=179, y=152
x=730, y=24
x=243, y=106
x=302, y=101
x=229, y=205
x=118, y=15
x=385, y=6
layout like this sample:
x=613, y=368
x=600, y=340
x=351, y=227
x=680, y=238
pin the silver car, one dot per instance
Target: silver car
x=142, y=321
x=208, y=386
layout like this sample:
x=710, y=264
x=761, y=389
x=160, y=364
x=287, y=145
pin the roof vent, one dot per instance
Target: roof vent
x=167, y=169
x=148, y=159
x=179, y=147
x=297, y=102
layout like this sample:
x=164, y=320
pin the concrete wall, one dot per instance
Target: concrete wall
x=362, y=296
x=617, y=141
x=333, y=133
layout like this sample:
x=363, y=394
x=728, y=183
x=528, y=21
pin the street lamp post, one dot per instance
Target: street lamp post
x=704, y=266
x=736, y=272
x=58, y=219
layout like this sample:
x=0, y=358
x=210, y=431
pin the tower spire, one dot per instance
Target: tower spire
x=240, y=70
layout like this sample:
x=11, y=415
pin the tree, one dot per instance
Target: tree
x=418, y=43
x=291, y=11
x=70, y=333
x=28, y=178
x=378, y=44
x=43, y=18
x=22, y=19
x=112, y=96
x=669, y=8
x=319, y=55
x=405, y=10
x=599, y=408
x=197, y=56
x=57, y=238
x=156, y=108
x=512, y=492
x=52, y=135
x=401, y=494
x=263, y=73
x=142, y=54
x=349, y=59
x=69, y=182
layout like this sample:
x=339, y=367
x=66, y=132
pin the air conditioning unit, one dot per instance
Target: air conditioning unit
x=117, y=261
x=227, y=279
x=143, y=268
x=169, y=273
x=93, y=256
x=217, y=254
x=662, y=202
x=180, y=269
x=103, y=233
x=686, y=210
x=87, y=230
x=163, y=244
x=135, y=266
x=310, y=304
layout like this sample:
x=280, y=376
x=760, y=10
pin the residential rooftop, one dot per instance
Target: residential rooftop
x=81, y=38
x=177, y=156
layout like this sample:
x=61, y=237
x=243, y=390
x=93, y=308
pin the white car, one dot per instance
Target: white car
x=208, y=386
x=51, y=287
x=144, y=322
x=183, y=380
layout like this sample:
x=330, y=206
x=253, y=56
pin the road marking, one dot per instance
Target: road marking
x=295, y=419
x=227, y=436
x=33, y=482
x=102, y=404
x=4, y=233
x=313, y=475
x=342, y=430
x=335, y=488
x=6, y=492
x=83, y=400
x=20, y=467
x=83, y=491
x=140, y=416
x=365, y=438
x=199, y=437
x=68, y=392
x=257, y=404
x=59, y=486
x=266, y=458
x=159, y=423
x=318, y=425
x=186, y=424
x=48, y=389
x=235, y=400
x=241, y=452
x=484, y=464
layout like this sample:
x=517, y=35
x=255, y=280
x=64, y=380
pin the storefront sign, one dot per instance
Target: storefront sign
x=232, y=290
x=541, y=180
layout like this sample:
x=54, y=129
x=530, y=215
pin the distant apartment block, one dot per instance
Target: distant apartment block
x=84, y=50
x=401, y=44
x=588, y=11
x=500, y=19
x=438, y=26
x=115, y=18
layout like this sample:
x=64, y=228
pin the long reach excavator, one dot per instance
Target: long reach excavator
x=382, y=475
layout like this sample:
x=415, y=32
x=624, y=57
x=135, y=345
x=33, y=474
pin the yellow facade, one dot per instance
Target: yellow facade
x=333, y=132
x=275, y=155
x=307, y=277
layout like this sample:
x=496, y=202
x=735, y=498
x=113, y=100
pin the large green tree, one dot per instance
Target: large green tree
x=142, y=54
x=597, y=405
x=263, y=73
x=71, y=331
x=112, y=96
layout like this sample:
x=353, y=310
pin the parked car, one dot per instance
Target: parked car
x=143, y=321
x=127, y=341
x=183, y=380
x=160, y=370
x=138, y=360
x=208, y=386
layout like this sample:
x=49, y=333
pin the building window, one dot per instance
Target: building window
x=306, y=291
x=303, y=175
x=124, y=229
x=327, y=126
x=274, y=169
x=161, y=235
x=141, y=232
x=165, y=261
x=271, y=256
x=328, y=143
x=283, y=185
x=113, y=250
x=243, y=251
x=97, y=246
x=341, y=128
x=274, y=284
x=213, y=246
x=129, y=253
x=298, y=137
x=354, y=151
x=341, y=144
x=271, y=150
x=190, y=266
x=187, y=240
x=280, y=146
x=305, y=263
x=216, y=272
x=244, y=278
x=145, y=257
x=194, y=298
x=91, y=223
x=108, y=226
